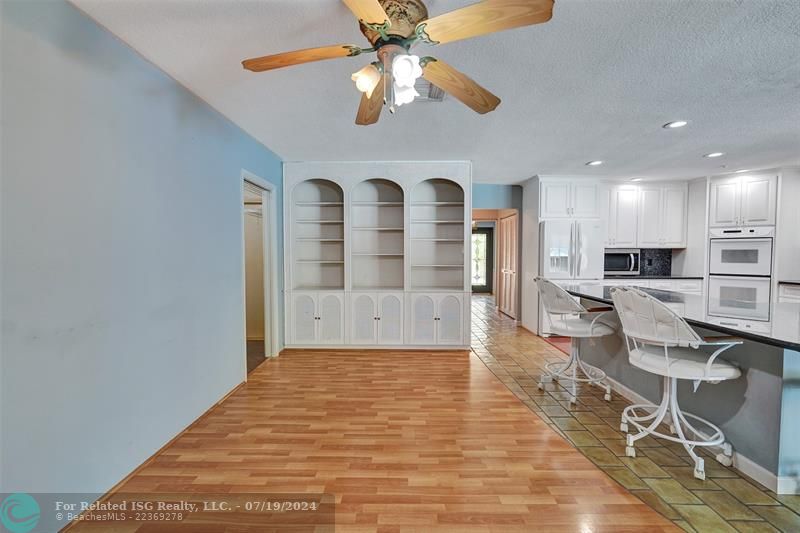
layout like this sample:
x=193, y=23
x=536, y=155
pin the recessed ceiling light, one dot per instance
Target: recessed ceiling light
x=740, y=171
x=594, y=163
x=636, y=179
x=715, y=154
x=675, y=124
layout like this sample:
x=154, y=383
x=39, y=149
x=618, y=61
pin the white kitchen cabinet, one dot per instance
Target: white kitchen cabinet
x=623, y=214
x=746, y=200
x=688, y=286
x=565, y=198
x=788, y=292
x=662, y=216
x=436, y=318
x=376, y=318
x=317, y=317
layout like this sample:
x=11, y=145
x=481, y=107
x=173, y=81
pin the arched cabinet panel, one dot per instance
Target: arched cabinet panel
x=423, y=324
x=363, y=316
x=331, y=318
x=304, y=315
x=390, y=318
x=451, y=320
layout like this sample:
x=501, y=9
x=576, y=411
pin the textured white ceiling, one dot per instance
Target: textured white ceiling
x=596, y=82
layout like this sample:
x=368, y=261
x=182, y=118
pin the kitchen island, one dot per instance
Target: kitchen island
x=759, y=412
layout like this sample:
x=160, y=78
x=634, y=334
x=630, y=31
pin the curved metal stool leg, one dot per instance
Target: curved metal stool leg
x=569, y=371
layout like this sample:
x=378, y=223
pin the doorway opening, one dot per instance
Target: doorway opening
x=483, y=258
x=258, y=212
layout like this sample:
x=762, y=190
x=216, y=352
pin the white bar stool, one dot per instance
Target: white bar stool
x=570, y=319
x=660, y=341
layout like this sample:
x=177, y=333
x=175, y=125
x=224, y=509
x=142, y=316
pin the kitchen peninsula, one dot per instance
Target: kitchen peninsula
x=758, y=412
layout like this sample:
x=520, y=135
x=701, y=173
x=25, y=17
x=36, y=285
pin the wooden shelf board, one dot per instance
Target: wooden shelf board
x=378, y=229
x=319, y=221
x=379, y=204
x=437, y=266
x=319, y=262
x=320, y=204
x=437, y=222
x=454, y=204
x=318, y=288
x=376, y=288
x=314, y=239
x=437, y=240
x=377, y=255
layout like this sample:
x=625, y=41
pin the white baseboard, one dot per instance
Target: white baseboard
x=745, y=465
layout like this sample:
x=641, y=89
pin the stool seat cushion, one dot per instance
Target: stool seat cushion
x=684, y=363
x=578, y=326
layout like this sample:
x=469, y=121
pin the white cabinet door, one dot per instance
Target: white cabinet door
x=363, y=318
x=623, y=217
x=422, y=323
x=673, y=217
x=304, y=318
x=650, y=203
x=585, y=199
x=390, y=318
x=759, y=199
x=555, y=199
x=724, y=207
x=661, y=284
x=694, y=286
x=331, y=318
x=450, y=319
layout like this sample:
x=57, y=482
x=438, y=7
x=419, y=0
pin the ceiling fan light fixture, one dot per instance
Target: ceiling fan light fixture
x=367, y=79
x=404, y=95
x=406, y=70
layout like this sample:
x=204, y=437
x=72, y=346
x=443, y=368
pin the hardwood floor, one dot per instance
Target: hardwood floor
x=417, y=441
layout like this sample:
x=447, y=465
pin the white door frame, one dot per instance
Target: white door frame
x=269, y=220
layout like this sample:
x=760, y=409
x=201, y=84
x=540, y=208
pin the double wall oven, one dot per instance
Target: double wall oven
x=740, y=276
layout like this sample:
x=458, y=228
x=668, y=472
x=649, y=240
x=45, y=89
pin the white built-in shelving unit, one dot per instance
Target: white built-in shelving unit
x=377, y=254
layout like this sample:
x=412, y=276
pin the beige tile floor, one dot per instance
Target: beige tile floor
x=661, y=474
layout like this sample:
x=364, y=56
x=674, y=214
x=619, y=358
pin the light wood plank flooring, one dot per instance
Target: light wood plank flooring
x=419, y=441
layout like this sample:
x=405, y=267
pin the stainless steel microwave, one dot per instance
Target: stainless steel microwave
x=621, y=262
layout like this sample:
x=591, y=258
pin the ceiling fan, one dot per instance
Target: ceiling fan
x=393, y=27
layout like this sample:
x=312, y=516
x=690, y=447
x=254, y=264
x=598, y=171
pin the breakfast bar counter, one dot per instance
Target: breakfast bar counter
x=758, y=412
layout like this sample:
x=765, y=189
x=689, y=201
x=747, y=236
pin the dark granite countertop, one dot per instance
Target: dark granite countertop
x=655, y=277
x=785, y=324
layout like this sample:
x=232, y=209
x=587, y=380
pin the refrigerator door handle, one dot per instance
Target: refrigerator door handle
x=572, y=251
x=577, y=250
x=633, y=263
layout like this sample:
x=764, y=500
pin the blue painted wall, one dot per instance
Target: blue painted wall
x=122, y=304
x=487, y=196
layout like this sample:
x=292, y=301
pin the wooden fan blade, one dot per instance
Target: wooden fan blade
x=460, y=86
x=298, y=57
x=370, y=108
x=367, y=11
x=485, y=17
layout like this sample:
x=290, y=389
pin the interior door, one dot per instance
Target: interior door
x=423, y=326
x=363, y=318
x=390, y=318
x=450, y=324
x=482, y=275
x=557, y=249
x=304, y=319
x=507, y=292
x=331, y=318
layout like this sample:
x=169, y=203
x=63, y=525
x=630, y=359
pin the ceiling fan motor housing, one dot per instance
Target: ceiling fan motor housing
x=404, y=16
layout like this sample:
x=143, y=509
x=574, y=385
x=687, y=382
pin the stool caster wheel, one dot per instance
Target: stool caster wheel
x=607, y=397
x=672, y=429
x=724, y=460
x=699, y=469
x=623, y=427
x=630, y=451
x=541, y=386
x=573, y=400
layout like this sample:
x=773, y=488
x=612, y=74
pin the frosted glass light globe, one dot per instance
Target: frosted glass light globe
x=406, y=70
x=367, y=79
x=404, y=95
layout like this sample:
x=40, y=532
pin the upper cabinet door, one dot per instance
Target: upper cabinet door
x=585, y=199
x=304, y=318
x=331, y=318
x=555, y=199
x=451, y=320
x=363, y=318
x=423, y=325
x=725, y=203
x=673, y=218
x=390, y=318
x=759, y=199
x=623, y=217
x=650, y=205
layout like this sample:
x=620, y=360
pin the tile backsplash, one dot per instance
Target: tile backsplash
x=655, y=262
